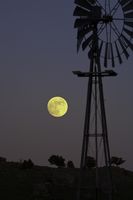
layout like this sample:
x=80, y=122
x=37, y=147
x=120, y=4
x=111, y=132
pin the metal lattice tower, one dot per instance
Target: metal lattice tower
x=107, y=37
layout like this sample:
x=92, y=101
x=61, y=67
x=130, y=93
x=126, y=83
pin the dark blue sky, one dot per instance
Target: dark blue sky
x=37, y=57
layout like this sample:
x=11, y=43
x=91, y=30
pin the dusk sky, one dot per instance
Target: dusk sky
x=37, y=57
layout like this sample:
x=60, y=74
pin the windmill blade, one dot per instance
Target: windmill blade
x=126, y=41
x=79, y=44
x=80, y=22
x=128, y=15
x=100, y=48
x=90, y=53
x=80, y=12
x=84, y=4
x=93, y=48
x=87, y=42
x=118, y=53
x=130, y=33
x=123, y=2
x=127, y=23
x=123, y=48
x=106, y=54
x=112, y=55
x=80, y=36
x=92, y=1
x=109, y=51
x=128, y=6
x=82, y=32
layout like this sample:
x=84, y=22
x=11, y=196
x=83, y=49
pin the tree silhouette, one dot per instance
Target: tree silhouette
x=59, y=161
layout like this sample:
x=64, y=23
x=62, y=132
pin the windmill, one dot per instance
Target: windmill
x=105, y=30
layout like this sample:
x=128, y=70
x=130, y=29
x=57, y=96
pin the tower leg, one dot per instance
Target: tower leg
x=95, y=92
x=87, y=120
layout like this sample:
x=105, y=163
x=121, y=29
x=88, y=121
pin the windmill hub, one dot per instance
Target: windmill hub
x=107, y=18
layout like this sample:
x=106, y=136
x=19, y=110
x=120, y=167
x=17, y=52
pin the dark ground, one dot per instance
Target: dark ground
x=45, y=183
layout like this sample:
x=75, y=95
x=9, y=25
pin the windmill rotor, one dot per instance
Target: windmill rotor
x=114, y=21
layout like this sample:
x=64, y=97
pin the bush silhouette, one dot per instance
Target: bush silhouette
x=117, y=160
x=91, y=162
x=3, y=160
x=27, y=164
x=70, y=164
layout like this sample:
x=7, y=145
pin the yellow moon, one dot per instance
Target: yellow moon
x=57, y=106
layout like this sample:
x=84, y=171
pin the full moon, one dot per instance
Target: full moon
x=57, y=106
